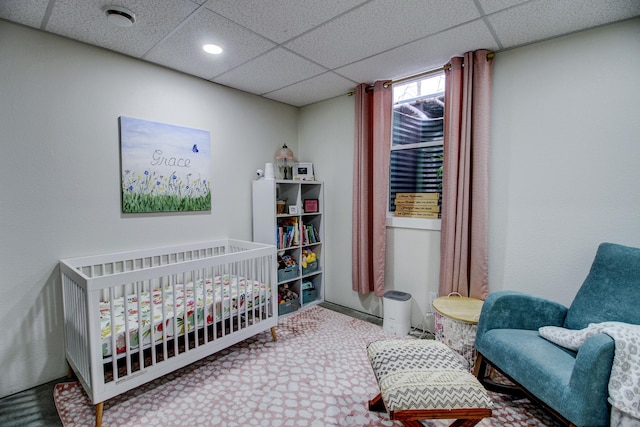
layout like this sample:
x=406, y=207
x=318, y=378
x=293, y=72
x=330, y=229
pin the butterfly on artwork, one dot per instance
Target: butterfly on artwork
x=195, y=148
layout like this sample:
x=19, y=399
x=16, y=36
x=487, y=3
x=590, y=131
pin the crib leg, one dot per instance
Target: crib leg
x=99, y=408
x=273, y=334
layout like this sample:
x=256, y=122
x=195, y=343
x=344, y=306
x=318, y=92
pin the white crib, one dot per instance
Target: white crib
x=131, y=317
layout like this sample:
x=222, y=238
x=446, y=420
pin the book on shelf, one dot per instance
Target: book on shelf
x=310, y=234
x=287, y=233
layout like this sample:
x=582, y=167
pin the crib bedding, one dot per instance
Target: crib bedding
x=229, y=292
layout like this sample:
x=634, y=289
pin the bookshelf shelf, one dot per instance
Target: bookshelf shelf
x=297, y=236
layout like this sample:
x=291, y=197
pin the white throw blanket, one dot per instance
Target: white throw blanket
x=624, y=382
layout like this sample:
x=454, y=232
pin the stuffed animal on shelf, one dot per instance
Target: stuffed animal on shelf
x=285, y=261
x=307, y=257
x=285, y=294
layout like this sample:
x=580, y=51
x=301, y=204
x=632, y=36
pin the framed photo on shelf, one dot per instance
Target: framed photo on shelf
x=303, y=172
x=310, y=205
x=293, y=210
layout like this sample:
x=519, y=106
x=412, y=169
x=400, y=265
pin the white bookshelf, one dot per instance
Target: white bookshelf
x=294, y=234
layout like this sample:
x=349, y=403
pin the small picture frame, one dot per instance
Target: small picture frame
x=293, y=210
x=310, y=205
x=303, y=172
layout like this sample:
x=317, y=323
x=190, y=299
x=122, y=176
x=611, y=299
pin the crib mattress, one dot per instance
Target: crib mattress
x=229, y=292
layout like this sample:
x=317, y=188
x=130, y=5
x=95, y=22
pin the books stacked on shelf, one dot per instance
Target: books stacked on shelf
x=309, y=233
x=418, y=205
x=287, y=233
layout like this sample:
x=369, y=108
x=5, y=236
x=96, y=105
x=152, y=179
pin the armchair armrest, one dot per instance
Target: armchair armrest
x=593, y=366
x=515, y=310
x=589, y=383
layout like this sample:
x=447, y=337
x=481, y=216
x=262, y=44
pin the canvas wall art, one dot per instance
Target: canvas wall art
x=165, y=168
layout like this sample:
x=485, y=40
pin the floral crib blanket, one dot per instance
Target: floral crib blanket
x=229, y=292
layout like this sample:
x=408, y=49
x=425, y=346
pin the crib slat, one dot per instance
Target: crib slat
x=127, y=332
x=140, y=330
x=194, y=293
x=113, y=334
x=175, y=315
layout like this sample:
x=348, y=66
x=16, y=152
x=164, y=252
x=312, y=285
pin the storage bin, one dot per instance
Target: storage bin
x=288, y=273
x=287, y=307
x=311, y=267
x=309, y=295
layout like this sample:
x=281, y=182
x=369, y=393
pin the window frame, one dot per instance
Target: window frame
x=408, y=222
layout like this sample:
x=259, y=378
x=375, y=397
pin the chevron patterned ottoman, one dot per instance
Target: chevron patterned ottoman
x=424, y=379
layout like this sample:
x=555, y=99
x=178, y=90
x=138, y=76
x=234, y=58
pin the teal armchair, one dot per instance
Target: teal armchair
x=572, y=384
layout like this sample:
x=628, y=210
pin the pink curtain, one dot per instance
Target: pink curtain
x=465, y=176
x=370, y=184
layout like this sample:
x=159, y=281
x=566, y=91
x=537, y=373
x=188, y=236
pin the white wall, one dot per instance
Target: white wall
x=565, y=172
x=60, y=173
x=565, y=158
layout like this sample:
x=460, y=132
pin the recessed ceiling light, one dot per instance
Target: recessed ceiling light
x=119, y=16
x=212, y=49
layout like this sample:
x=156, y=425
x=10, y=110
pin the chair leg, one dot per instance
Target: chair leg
x=480, y=371
x=273, y=334
x=480, y=368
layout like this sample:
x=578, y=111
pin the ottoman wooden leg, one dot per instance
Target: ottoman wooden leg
x=412, y=423
x=377, y=404
x=463, y=417
x=465, y=423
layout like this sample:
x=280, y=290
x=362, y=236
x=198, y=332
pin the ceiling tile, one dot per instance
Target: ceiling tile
x=183, y=49
x=324, y=86
x=86, y=21
x=423, y=55
x=491, y=6
x=544, y=19
x=281, y=20
x=378, y=26
x=27, y=12
x=271, y=71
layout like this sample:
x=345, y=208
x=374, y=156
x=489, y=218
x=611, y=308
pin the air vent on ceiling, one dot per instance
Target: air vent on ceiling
x=119, y=16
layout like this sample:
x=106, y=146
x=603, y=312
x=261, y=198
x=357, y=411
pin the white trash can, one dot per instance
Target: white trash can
x=397, y=312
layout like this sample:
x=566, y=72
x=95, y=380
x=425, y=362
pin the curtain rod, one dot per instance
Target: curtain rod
x=424, y=74
x=416, y=76
x=445, y=67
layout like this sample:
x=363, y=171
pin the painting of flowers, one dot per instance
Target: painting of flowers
x=165, y=168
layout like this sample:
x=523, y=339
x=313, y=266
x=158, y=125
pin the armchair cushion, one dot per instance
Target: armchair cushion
x=611, y=290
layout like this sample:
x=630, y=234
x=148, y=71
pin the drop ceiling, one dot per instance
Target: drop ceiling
x=303, y=51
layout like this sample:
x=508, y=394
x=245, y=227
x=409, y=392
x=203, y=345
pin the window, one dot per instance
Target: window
x=416, y=148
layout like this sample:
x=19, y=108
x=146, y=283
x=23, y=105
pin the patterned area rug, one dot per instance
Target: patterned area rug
x=317, y=374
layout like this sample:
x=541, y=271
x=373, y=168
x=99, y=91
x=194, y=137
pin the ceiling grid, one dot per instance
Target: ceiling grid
x=303, y=51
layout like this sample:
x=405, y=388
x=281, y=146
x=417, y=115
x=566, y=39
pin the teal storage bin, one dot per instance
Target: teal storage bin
x=287, y=307
x=309, y=295
x=311, y=267
x=288, y=273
